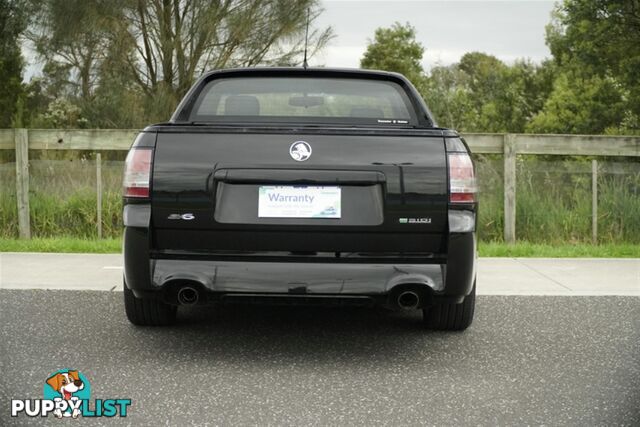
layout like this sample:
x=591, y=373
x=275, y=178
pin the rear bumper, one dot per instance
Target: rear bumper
x=449, y=279
x=296, y=277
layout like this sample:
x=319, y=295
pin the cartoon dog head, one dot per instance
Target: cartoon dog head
x=66, y=383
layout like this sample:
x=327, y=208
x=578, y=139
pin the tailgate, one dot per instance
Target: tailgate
x=240, y=191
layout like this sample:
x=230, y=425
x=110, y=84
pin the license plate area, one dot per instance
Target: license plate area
x=289, y=201
x=238, y=204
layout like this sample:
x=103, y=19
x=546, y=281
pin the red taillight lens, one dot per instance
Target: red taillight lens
x=137, y=172
x=462, y=179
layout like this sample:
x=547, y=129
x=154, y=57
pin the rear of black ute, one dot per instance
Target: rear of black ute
x=179, y=245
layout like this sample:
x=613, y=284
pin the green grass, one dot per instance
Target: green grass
x=567, y=250
x=62, y=199
x=553, y=200
x=491, y=249
x=62, y=244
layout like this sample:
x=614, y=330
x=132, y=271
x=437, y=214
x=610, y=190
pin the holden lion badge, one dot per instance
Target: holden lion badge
x=300, y=151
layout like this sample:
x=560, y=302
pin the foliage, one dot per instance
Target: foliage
x=61, y=113
x=562, y=212
x=395, y=49
x=592, y=85
x=482, y=94
x=580, y=105
x=130, y=62
x=597, y=46
x=11, y=26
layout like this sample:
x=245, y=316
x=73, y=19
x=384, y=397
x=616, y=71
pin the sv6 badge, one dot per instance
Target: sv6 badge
x=185, y=216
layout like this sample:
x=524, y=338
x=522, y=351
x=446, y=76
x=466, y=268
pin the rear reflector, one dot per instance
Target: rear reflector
x=137, y=172
x=462, y=179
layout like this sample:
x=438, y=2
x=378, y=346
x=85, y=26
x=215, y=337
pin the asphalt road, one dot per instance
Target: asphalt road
x=526, y=360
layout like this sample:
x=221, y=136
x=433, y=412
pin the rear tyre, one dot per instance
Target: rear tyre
x=451, y=317
x=147, y=311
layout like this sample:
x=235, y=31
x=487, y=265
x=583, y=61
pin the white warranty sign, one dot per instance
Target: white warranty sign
x=298, y=202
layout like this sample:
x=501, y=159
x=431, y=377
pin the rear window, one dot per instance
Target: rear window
x=303, y=99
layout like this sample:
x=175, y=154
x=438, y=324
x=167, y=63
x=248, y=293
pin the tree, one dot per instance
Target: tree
x=599, y=41
x=447, y=95
x=11, y=64
x=73, y=36
x=580, y=105
x=482, y=94
x=180, y=39
x=396, y=49
x=161, y=46
x=125, y=61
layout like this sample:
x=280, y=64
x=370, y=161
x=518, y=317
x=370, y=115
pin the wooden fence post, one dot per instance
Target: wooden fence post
x=21, y=139
x=509, y=188
x=594, y=201
x=99, y=193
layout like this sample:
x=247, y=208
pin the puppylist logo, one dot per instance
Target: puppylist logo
x=67, y=394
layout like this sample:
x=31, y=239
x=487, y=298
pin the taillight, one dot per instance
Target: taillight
x=462, y=179
x=137, y=172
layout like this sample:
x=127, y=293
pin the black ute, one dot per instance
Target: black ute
x=300, y=186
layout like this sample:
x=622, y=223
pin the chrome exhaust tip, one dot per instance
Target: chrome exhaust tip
x=408, y=300
x=188, y=295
